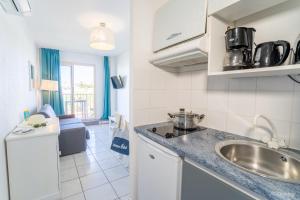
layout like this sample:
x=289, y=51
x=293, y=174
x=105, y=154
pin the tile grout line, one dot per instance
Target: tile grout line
x=97, y=162
x=79, y=179
x=118, y=197
x=108, y=181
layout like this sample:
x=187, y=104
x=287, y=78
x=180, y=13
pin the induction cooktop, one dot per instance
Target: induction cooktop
x=169, y=131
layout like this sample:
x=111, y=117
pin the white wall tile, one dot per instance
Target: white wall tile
x=171, y=81
x=242, y=84
x=217, y=120
x=199, y=80
x=199, y=99
x=240, y=125
x=141, y=117
x=296, y=107
x=184, y=81
x=141, y=79
x=275, y=105
x=158, y=79
x=158, y=99
x=172, y=99
x=242, y=102
x=277, y=83
x=184, y=99
x=297, y=85
x=217, y=83
x=295, y=136
x=141, y=99
x=217, y=100
x=158, y=115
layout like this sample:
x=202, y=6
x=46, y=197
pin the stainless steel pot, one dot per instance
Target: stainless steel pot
x=186, y=120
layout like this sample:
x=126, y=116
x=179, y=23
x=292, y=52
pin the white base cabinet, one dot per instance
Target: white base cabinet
x=159, y=172
x=33, y=164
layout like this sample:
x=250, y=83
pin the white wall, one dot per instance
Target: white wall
x=123, y=69
x=144, y=77
x=97, y=61
x=16, y=49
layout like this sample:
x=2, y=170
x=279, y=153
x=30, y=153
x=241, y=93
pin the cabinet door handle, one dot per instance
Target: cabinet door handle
x=152, y=156
x=173, y=35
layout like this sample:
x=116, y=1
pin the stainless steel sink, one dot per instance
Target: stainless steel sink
x=258, y=159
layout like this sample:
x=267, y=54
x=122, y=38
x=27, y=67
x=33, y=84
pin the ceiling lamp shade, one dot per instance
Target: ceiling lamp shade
x=102, y=38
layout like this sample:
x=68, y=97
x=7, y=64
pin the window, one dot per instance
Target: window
x=78, y=90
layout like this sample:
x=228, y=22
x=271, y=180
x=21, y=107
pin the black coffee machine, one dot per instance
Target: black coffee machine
x=239, y=48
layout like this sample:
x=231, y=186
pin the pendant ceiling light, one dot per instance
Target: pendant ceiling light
x=102, y=38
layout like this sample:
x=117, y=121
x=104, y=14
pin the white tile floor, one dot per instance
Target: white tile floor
x=98, y=173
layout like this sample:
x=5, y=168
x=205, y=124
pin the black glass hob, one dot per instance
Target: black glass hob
x=169, y=131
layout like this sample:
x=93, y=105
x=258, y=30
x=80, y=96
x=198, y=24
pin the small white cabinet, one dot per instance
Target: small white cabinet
x=159, y=172
x=178, y=21
x=33, y=163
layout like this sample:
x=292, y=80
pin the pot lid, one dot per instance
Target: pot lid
x=182, y=113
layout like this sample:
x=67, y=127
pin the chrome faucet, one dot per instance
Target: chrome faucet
x=274, y=142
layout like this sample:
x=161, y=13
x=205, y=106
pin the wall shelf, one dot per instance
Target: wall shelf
x=216, y=45
x=232, y=10
x=259, y=72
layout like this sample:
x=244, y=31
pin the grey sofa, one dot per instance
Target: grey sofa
x=73, y=133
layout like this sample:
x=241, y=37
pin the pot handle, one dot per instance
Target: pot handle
x=200, y=117
x=171, y=115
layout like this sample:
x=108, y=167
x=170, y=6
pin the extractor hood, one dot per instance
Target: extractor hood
x=188, y=56
x=16, y=7
x=179, y=38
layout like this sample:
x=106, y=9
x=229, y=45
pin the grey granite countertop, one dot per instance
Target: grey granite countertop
x=199, y=147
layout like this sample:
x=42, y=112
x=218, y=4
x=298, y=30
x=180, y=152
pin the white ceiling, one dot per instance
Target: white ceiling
x=67, y=24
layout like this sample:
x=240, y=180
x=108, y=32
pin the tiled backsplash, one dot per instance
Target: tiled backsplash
x=229, y=104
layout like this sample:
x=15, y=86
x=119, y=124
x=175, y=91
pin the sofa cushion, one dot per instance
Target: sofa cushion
x=47, y=111
x=69, y=121
x=72, y=139
x=70, y=127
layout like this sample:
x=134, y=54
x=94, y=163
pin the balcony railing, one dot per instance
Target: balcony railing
x=82, y=105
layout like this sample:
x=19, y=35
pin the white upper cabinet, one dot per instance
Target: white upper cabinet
x=232, y=10
x=178, y=21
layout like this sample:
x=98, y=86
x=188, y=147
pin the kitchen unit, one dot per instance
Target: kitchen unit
x=229, y=105
x=182, y=46
x=204, y=172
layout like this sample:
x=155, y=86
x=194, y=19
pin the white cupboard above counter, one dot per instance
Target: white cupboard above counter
x=179, y=37
x=190, y=35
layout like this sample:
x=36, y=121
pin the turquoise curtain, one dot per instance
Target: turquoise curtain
x=50, y=67
x=106, y=103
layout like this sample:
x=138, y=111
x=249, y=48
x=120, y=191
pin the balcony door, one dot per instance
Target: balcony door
x=78, y=89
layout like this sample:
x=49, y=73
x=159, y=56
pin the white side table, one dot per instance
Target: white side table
x=33, y=163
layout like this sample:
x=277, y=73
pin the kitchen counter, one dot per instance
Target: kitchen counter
x=199, y=148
